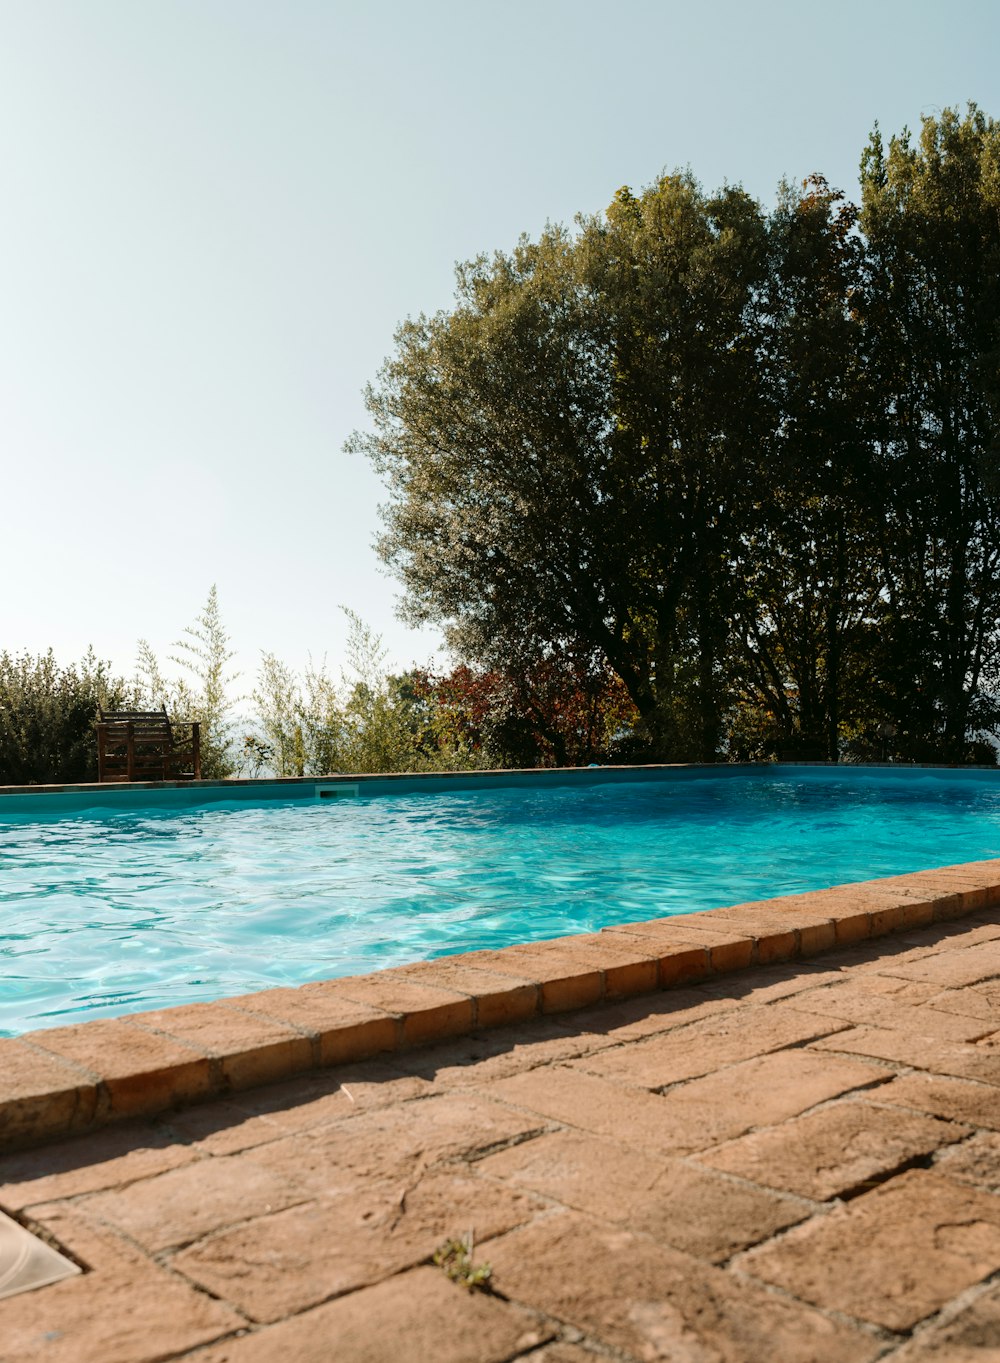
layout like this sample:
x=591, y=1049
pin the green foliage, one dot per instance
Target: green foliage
x=368, y=721
x=455, y=1257
x=374, y=731
x=47, y=717
x=747, y=461
x=255, y=756
x=558, y=713
x=566, y=448
x=278, y=705
x=809, y=572
x=931, y=217
x=204, y=653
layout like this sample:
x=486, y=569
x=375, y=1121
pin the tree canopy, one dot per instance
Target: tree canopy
x=744, y=458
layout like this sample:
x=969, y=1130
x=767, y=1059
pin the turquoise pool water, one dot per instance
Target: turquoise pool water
x=110, y=912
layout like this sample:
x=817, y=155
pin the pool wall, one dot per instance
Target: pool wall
x=45, y=802
x=62, y=1081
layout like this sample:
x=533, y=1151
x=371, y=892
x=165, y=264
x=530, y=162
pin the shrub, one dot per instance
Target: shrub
x=47, y=717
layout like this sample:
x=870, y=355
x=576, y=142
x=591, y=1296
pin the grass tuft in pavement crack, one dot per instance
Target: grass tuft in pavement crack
x=455, y=1257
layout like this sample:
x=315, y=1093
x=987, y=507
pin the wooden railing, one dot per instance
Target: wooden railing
x=143, y=745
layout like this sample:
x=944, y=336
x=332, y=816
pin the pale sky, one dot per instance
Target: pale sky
x=215, y=212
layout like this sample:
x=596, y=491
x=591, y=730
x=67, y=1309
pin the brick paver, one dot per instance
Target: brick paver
x=418, y=1314
x=798, y=1163
x=274, y=1266
x=969, y=1336
x=980, y=1061
x=653, y=1302
x=705, y=1047
x=835, y=1150
x=126, y=1309
x=112, y=1158
x=975, y=1161
x=672, y=1200
x=893, y=1256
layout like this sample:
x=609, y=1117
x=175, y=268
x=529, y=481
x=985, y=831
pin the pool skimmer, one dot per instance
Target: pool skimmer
x=27, y=1262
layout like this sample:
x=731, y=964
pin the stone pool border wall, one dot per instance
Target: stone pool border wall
x=63, y=1081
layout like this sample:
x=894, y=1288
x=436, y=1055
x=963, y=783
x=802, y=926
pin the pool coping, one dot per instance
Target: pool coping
x=64, y=1081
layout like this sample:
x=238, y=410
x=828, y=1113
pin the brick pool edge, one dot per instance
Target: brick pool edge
x=68, y=1080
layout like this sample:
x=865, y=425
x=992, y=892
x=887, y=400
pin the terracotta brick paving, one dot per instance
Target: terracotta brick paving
x=791, y=1164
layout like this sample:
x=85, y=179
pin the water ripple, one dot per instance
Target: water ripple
x=114, y=914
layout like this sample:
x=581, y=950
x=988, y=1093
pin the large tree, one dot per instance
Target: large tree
x=808, y=550
x=748, y=461
x=931, y=219
x=568, y=449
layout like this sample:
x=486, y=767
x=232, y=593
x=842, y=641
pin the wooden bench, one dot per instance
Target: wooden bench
x=141, y=745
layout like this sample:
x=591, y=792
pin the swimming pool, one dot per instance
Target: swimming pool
x=169, y=897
